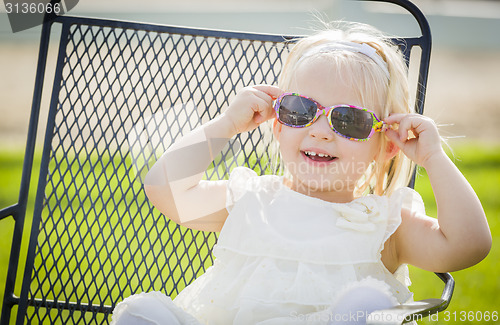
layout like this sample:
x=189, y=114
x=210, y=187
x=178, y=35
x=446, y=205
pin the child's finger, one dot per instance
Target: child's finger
x=268, y=93
x=395, y=118
x=395, y=137
x=406, y=123
x=399, y=130
x=272, y=91
x=263, y=110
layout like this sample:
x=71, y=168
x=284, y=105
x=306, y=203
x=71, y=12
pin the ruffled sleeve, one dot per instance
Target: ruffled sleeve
x=237, y=185
x=402, y=198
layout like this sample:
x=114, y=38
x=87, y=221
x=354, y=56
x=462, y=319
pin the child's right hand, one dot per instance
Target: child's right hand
x=251, y=107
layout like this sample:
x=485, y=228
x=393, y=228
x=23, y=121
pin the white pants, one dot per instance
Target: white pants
x=152, y=308
x=352, y=307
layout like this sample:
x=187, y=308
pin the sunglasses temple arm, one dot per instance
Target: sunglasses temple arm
x=382, y=127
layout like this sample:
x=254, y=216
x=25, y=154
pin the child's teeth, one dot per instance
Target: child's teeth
x=312, y=153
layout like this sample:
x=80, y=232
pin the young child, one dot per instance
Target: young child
x=328, y=242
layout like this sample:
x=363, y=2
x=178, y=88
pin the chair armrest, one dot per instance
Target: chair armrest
x=415, y=310
x=9, y=211
x=404, y=313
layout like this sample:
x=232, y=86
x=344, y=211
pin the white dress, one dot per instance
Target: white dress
x=282, y=254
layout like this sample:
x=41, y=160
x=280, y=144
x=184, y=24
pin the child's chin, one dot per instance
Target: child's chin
x=320, y=183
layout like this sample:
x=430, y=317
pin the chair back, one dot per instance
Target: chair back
x=122, y=92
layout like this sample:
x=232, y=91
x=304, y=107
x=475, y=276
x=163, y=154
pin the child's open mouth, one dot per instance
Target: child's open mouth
x=319, y=157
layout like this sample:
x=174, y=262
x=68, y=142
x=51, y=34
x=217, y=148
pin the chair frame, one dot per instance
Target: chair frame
x=403, y=313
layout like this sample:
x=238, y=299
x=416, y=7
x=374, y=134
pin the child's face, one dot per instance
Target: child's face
x=332, y=177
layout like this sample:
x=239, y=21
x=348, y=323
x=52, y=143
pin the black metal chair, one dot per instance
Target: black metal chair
x=95, y=238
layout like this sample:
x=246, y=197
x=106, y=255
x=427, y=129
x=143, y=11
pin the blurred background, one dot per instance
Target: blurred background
x=463, y=96
x=464, y=79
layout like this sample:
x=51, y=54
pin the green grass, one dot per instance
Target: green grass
x=477, y=288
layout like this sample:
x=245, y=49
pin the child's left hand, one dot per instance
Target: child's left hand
x=416, y=135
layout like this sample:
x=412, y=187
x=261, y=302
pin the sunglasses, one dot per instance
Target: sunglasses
x=351, y=122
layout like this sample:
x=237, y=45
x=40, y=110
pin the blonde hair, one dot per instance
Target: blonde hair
x=368, y=78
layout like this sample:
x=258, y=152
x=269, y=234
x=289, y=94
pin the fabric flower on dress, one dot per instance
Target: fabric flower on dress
x=360, y=215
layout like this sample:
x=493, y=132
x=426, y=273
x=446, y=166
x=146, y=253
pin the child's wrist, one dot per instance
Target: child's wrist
x=435, y=160
x=221, y=127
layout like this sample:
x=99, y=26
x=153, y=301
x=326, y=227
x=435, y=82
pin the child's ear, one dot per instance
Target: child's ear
x=391, y=150
x=276, y=129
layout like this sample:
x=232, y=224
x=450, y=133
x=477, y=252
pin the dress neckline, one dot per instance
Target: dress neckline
x=284, y=187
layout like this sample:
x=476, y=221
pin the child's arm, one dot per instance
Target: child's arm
x=174, y=184
x=460, y=237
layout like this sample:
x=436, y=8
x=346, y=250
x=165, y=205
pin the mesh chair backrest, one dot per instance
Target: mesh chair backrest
x=122, y=93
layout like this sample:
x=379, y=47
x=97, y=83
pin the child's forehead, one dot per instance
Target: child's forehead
x=323, y=69
x=331, y=82
x=319, y=69
x=325, y=83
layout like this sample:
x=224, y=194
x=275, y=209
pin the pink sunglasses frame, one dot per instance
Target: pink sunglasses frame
x=378, y=125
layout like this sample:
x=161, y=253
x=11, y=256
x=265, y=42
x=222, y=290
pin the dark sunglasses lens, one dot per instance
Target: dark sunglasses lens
x=352, y=122
x=295, y=110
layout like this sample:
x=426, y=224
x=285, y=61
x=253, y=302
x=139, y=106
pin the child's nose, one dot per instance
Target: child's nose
x=321, y=129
